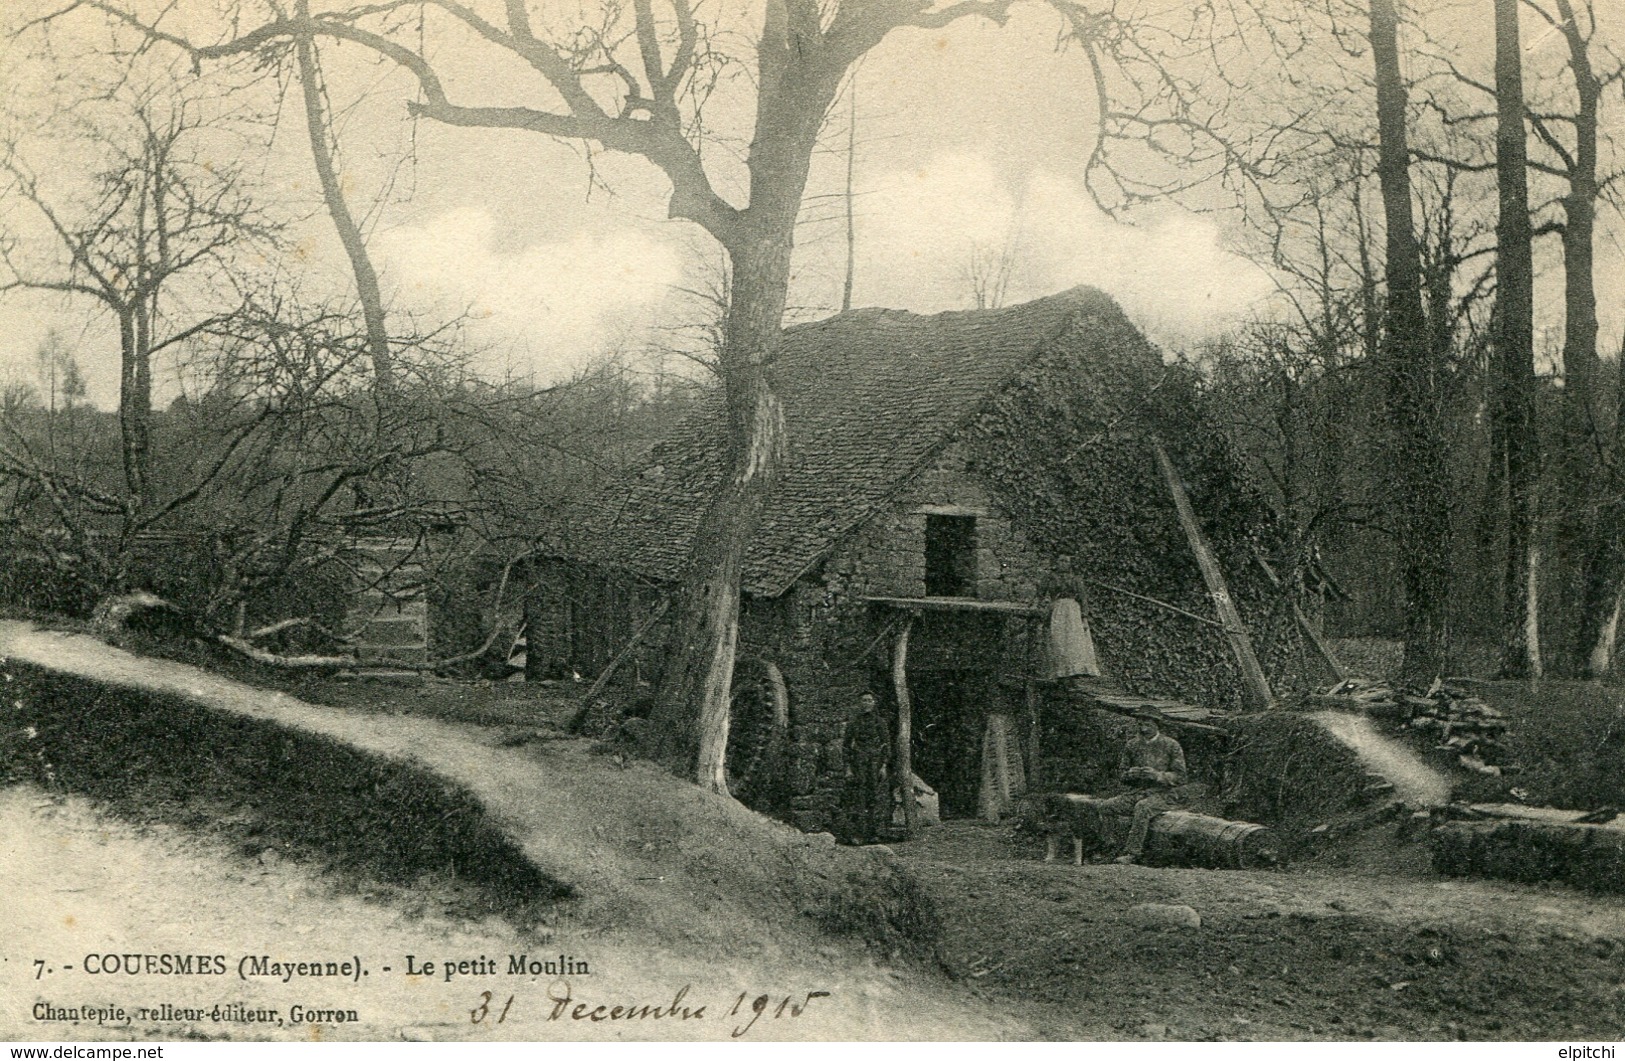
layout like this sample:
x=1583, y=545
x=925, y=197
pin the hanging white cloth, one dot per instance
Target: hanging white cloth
x=1071, y=648
x=1004, y=771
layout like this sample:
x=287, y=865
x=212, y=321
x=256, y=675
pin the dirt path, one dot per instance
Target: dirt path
x=77, y=883
x=1413, y=779
x=1037, y=950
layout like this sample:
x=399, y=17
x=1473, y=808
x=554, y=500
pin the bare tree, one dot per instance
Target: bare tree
x=281, y=440
x=1411, y=373
x=987, y=272
x=153, y=216
x=338, y=209
x=1513, y=362
x=1589, y=517
x=63, y=386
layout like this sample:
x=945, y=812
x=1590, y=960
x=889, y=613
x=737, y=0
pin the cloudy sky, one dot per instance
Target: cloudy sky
x=969, y=140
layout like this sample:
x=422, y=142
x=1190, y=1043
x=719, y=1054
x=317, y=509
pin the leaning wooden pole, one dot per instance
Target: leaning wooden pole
x=905, y=725
x=1255, y=684
x=623, y=655
x=1316, y=639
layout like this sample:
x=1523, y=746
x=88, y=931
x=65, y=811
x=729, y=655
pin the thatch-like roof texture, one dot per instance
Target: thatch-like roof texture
x=868, y=396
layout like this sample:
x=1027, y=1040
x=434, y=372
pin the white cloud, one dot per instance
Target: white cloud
x=918, y=231
x=1170, y=267
x=545, y=307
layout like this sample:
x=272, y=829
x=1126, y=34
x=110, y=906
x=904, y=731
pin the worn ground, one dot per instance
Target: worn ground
x=1376, y=948
x=677, y=889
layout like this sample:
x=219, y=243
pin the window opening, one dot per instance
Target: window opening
x=950, y=556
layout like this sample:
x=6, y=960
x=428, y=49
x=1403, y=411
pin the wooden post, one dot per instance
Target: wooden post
x=1035, y=782
x=905, y=723
x=1255, y=684
x=781, y=695
x=1314, y=636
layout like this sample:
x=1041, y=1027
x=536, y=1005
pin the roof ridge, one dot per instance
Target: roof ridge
x=1079, y=293
x=869, y=397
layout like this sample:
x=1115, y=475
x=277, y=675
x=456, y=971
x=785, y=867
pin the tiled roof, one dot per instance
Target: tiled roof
x=867, y=396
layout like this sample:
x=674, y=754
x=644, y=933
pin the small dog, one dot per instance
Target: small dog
x=1057, y=815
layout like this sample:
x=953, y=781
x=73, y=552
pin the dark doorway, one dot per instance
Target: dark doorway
x=949, y=715
x=950, y=556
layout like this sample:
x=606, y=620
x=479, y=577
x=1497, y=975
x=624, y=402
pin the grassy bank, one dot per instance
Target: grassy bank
x=152, y=756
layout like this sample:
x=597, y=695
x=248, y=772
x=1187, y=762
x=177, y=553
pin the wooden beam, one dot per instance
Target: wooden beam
x=1152, y=600
x=1255, y=685
x=960, y=604
x=905, y=723
x=1319, y=642
x=626, y=651
x=950, y=510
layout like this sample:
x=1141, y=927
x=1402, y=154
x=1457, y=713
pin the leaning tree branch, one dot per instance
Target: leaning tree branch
x=260, y=655
x=344, y=223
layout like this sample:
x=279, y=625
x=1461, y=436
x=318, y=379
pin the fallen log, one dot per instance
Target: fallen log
x=1530, y=850
x=1177, y=838
x=1183, y=838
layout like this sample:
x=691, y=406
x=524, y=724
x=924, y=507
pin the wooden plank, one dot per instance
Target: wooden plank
x=1169, y=708
x=1134, y=709
x=1549, y=815
x=1255, y=685
x=959, y=604
x=905, y=718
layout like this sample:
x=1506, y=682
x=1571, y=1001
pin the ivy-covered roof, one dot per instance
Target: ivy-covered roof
x=868, y=395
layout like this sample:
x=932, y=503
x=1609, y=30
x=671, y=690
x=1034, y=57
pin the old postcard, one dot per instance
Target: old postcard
x=811, y=520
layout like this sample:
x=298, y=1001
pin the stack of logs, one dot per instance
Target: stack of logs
x=1501, y=840
x=1459, y=723
x=1530, y=844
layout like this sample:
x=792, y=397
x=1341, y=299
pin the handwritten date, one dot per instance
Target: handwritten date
x=745, y=1012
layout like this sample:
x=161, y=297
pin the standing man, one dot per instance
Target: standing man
x=866, y=749
x=1154, y=766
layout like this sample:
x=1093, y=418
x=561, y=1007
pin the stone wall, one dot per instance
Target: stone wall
x=789, y=631
x=832, y=645
x=887, y=557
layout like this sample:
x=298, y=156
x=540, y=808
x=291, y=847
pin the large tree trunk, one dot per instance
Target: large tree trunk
x=1512, y=414
x=797, y=76
x=1581, y=543
x=690, y=719
x=1411, y=379
x=1605, y=566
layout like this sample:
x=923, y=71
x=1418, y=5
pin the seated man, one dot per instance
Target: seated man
x=1155, y=766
